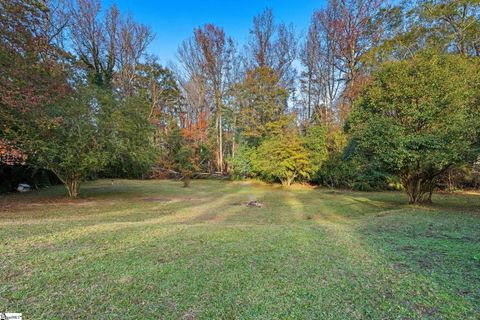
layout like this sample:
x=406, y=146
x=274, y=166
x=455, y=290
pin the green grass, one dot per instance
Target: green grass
x=154, y=250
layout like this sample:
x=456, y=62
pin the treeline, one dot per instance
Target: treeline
x=375, y=95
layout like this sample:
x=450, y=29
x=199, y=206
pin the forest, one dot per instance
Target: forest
x=376, y=95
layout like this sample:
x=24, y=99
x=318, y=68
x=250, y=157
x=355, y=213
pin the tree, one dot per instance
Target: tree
x=352, y=28
x=161, y=90
x=61, y=137
x=449, y=26
x=181, y=154
x=315, y=142
x=453, y=26
x=49, y=112
x=207, y=60
x=415, y=119
x=127, y=136
x=282, y=154
x=273, y=46
x=10, y=153
x=133, y=40
x=184, y=164
x=110, y=49
x=282, y=157
x=321, y=79
x=32, y=73
x=161, y=95
x=94, y=39
x=109, y=46
x=261, y=101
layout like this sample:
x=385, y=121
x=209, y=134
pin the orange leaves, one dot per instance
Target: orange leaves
x=195, y=130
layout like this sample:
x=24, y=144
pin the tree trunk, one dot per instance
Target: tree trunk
x=288, y=181
x=70, y=181
x=220, y=137
x=186, y=182
x=419, y=190
x=233, y=135
x=73, y=187
x=309, y=97
x=219, y=130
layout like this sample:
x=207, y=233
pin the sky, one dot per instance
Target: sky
x=174, y=20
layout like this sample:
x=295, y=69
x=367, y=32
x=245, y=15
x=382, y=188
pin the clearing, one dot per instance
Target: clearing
x=230, y=250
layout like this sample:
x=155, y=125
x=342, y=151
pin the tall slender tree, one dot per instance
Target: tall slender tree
x=207, y=61
x=321, y=80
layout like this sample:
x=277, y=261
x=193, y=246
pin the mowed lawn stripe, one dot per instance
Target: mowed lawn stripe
x=151, y=249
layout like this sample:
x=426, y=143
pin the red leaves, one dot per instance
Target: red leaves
x=211, y=40
x=30, y=75
x=10, y=153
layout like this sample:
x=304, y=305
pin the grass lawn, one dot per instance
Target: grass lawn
x=154, y=250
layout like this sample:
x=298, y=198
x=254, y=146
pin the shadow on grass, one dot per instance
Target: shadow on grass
x=306, y=251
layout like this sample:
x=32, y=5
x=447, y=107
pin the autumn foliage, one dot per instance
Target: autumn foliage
x=10, y=153
x=81, y=95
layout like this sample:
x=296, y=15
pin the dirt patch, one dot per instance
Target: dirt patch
x=255, y=204
x=251, y=204
x=189, y=315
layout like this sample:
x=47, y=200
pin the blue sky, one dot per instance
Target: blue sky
x=174, y=20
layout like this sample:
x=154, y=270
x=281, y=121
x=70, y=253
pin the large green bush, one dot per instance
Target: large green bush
x=416, y=120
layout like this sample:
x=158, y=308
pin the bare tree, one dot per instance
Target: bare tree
x=352, y=25
x=107, y=43
x=320, y=79
x=193, y=83
x=260, y=45
x=310, y=57
x=272, y=45
x=353, y=28
x=132, y=42
x=93, y=39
